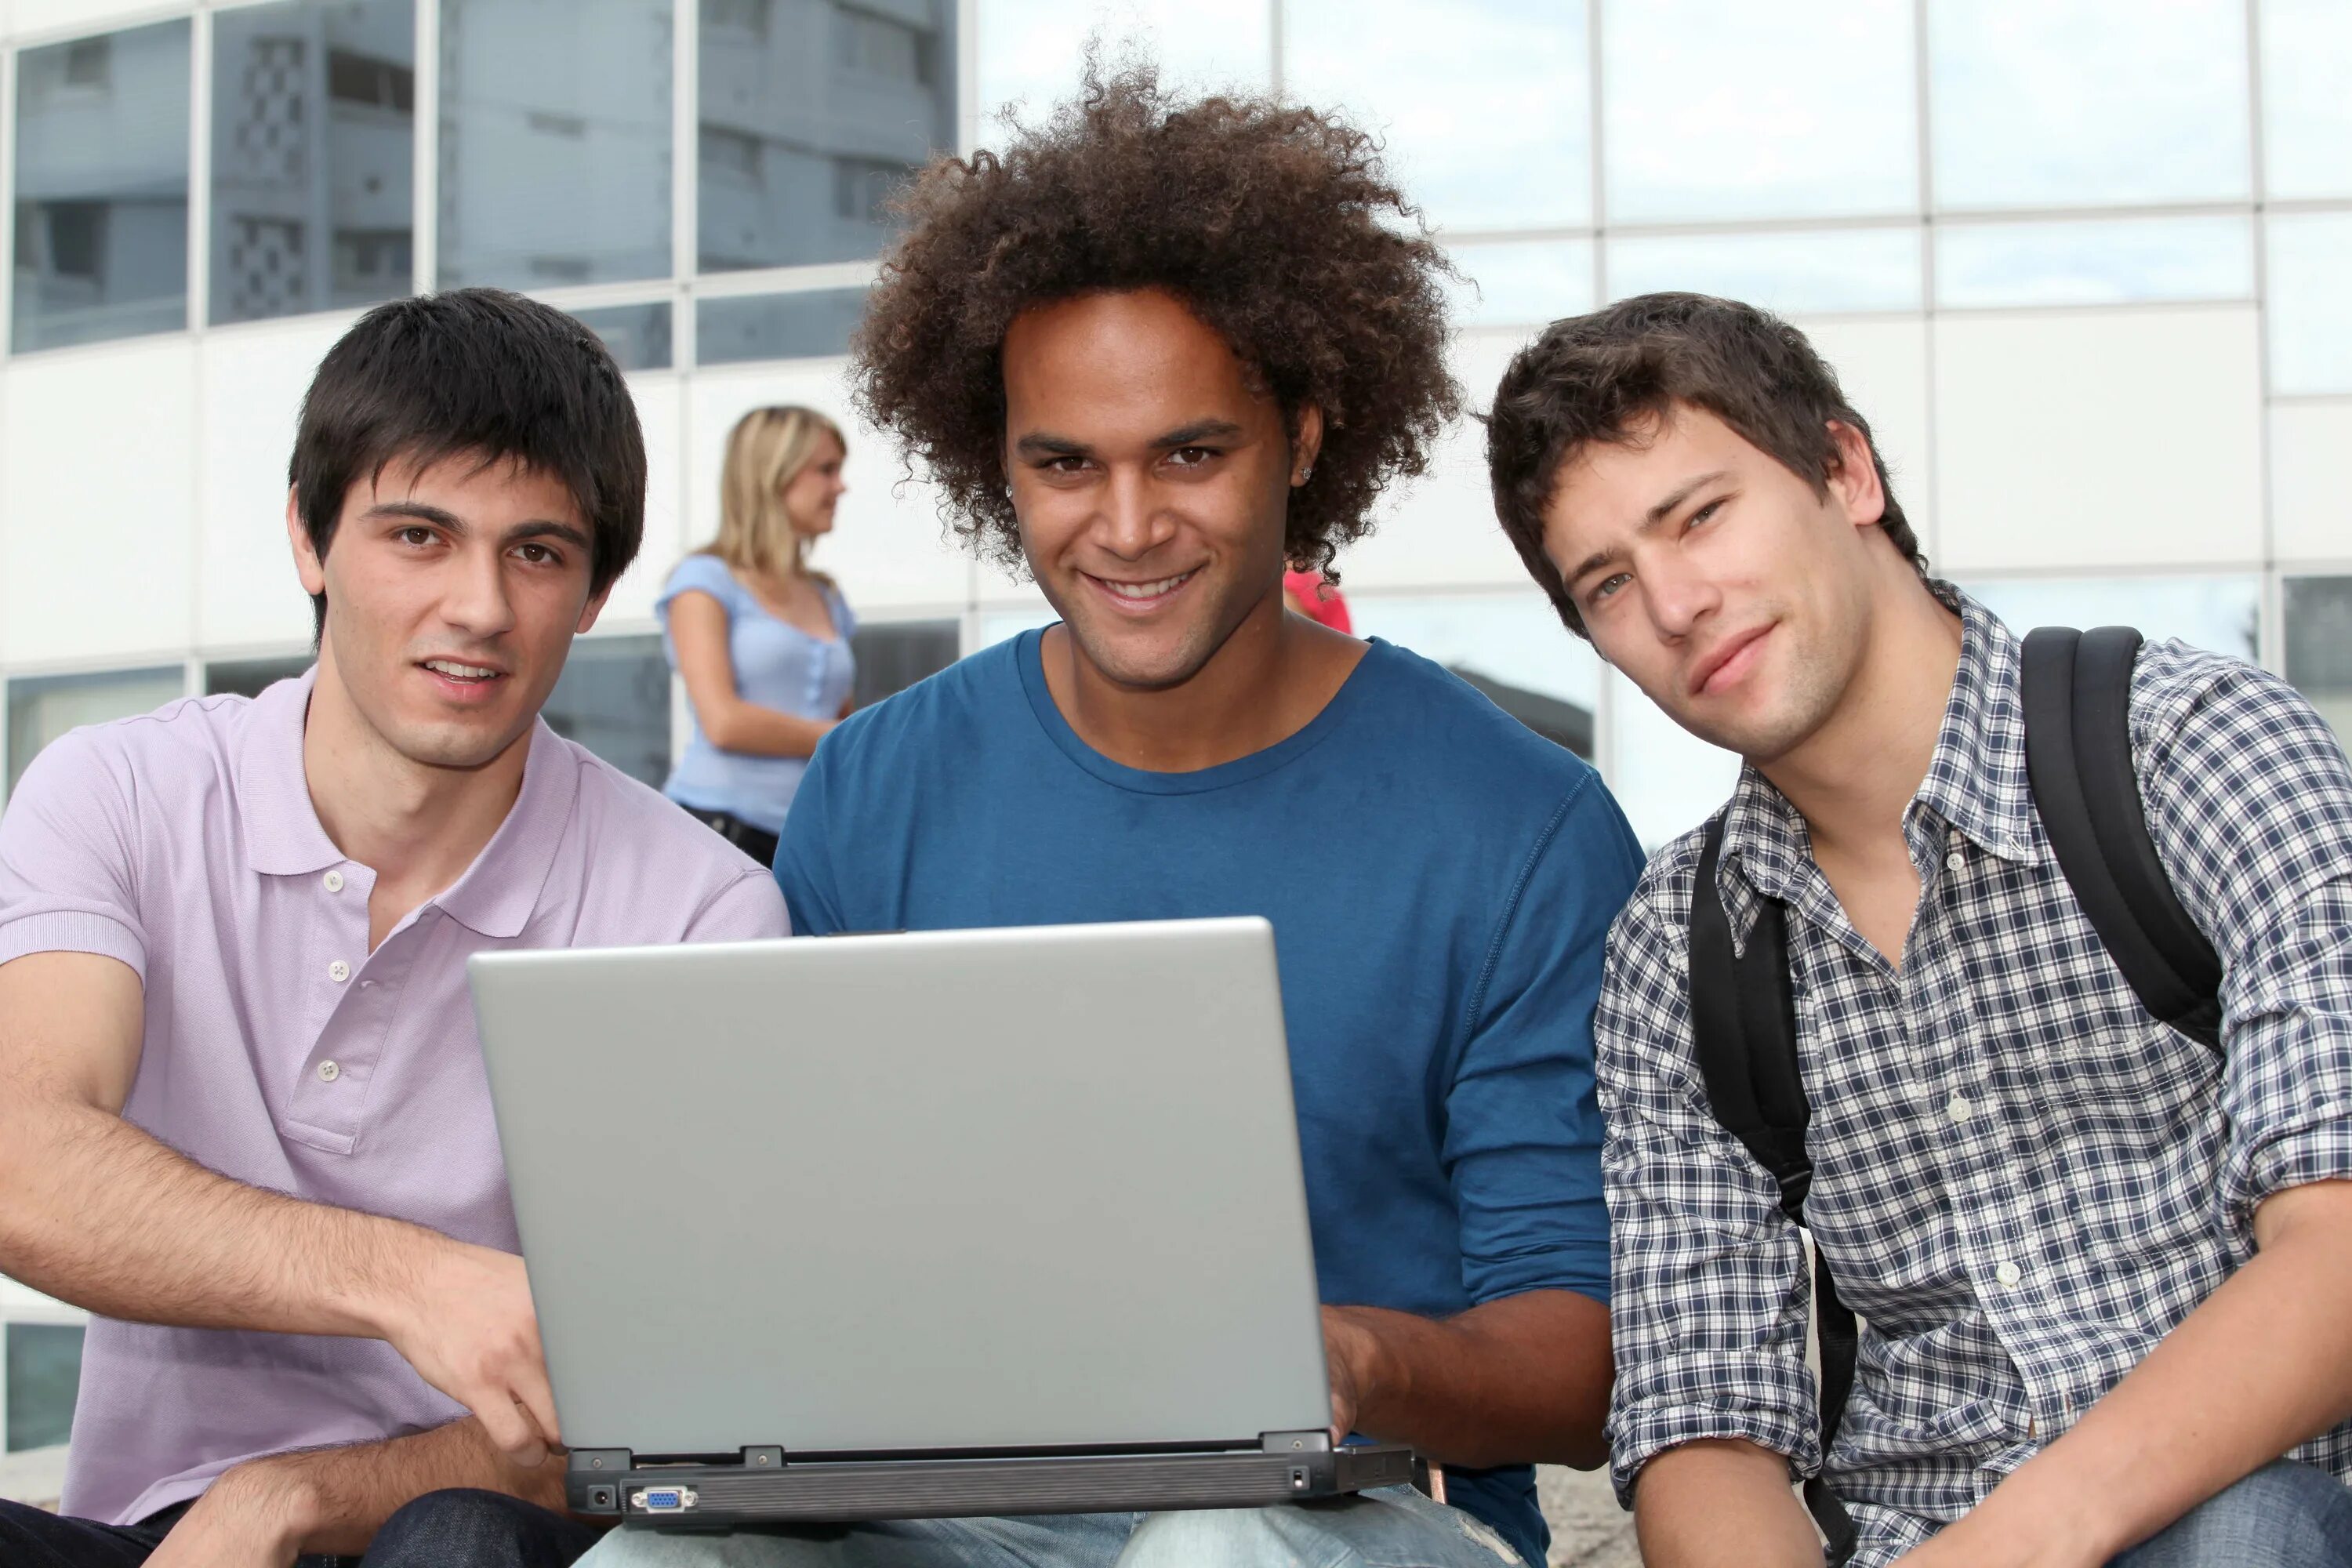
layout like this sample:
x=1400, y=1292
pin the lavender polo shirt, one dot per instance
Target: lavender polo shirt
x=281, y=1052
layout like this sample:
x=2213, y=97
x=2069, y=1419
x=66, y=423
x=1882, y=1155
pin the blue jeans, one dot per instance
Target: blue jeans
x=2284, y=1515
x=441, y=1530
x=1395, y=1527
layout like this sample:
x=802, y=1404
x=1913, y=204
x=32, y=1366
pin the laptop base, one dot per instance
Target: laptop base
x=760, y=1487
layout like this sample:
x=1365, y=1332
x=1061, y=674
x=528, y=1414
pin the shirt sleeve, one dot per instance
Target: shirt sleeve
x=699, y=574
x=2249, y=799
x=749, y=909
x=1522, y=1138
x=804, y=864
x=1710, y=1293
x=845, y=620
x=68, y=858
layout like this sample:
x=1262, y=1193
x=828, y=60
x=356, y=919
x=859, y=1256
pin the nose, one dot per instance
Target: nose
x=1131, y=524
x=477, y=601
x=1677, y=596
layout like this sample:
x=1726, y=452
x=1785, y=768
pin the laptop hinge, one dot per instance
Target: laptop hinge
x=600, y=1461
x=770, y=1458
x=1317, y=1441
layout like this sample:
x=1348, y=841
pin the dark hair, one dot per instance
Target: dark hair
x=480, y=374
x=1273, y=225
x=1608, y=376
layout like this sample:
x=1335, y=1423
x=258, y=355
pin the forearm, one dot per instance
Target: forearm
x=1718, y=1503
x=96, y=1212
x=335, y=1499
x=736, y=725
x=1518, y=1379
x=2263, y=1365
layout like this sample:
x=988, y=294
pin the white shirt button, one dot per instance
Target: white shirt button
x=1952, y=862
x=1959, y=1109
x=333, y=881
x=2008, y=1273
x=338, y=972
x=329, y=1072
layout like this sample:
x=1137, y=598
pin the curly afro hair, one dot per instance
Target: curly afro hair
x=1275, y=226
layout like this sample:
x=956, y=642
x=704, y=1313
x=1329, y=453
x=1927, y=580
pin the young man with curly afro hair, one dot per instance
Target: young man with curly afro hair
x=1154, y=352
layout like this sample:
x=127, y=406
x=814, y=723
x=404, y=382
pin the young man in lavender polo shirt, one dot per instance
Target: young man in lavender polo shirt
x=243, y=1115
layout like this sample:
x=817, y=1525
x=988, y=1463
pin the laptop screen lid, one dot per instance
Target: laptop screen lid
x=1032, y=1187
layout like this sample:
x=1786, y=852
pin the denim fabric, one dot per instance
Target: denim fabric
x=1041, y=1540
x=2286, y=1515
x=31, y=1538
x=465, y=1529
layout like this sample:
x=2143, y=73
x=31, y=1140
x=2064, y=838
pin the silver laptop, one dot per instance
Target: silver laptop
x=947, y=1222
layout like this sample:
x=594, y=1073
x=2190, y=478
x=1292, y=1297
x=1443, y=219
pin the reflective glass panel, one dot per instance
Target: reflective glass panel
x=1032, y=51
x=1667, y=780
x=555, y=141
x=102, y=188
x=614, y=699
x=1522, y=283
x=894, y=654
x=638, y=335
x=43, y=707
x=252, y=676
x=1821, y=272
x=2310, y=314
x=776, y=326
x=2319, y=645
x=2306, y=107
x=1487, y=119
x=1715, y=111
x=2087, y=103
x=2221, y=615
x=812, y=112
x=2100, y=262
x=1510, y=647
x=314, y=138
x=44, y=1361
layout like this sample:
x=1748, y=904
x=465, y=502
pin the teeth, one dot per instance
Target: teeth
x=462, y=671
x=1145, y=590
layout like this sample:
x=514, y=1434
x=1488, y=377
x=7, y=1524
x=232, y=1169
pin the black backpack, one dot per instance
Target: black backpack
x=2076, y=691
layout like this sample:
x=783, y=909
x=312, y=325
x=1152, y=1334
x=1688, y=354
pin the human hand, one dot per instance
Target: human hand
x=1347, y=1352
x=253, y=1516
x=466, y=1323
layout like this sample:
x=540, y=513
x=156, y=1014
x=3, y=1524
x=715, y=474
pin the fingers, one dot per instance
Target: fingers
x=509, y=1430
x=538, y=1401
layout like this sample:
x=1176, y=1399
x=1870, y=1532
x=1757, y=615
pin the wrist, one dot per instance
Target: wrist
x=383, y=1295
x=275, y=1498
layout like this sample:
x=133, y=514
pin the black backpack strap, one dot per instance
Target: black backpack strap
x=1744, y=1032
x=2075, y=689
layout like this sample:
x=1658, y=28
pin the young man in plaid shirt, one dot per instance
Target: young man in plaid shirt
x=2104, y=1270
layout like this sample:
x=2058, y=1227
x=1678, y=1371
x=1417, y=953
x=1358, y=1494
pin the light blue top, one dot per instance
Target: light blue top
x=778, y=666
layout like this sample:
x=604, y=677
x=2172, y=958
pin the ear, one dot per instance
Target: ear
x=596, y=607
x=307, y=565
x=1305, y=443
x=1853, y=476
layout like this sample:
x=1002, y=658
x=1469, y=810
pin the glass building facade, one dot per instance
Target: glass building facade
x=2081, y=262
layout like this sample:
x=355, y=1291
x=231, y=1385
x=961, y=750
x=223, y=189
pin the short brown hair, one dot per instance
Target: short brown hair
x=1608, y=376
x=1274, y=225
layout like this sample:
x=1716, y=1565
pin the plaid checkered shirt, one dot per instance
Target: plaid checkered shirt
x=2022, y=1181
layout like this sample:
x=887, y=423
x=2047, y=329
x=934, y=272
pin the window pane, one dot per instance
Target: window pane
x=2319, y=645
x=252, y=676
x=2306, y=111
x=893, y=656
x=1487, y=119
x=43, y=1363
x=638, y=335
x=812, y=111
x=1716, y=110
x=1667, y=779
x=555, y=141
x=314, y=136
x=1511, y=647
x=2223, y=615
x=1821, y=271
x=614, y=699
x=1031, y=51
x=2086, y=102
x=2095, y=263
x=41, y=708
x=2310, y=256
x=777, y=326
x=1526, y=283
x=102, y=188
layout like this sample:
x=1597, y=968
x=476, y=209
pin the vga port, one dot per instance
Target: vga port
x=662, y=1500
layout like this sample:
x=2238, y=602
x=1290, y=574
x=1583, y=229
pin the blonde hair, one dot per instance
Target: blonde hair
x=765, y=453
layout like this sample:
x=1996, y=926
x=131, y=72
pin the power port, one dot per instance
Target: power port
x=599, y=1498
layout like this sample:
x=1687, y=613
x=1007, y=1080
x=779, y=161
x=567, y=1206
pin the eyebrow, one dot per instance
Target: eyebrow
x=1044, y=443
x=1665, y=508
x=537, y=528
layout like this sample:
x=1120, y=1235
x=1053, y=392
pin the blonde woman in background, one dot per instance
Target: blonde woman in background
x=763, y=641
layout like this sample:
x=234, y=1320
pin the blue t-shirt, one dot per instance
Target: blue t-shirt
x=1440, y=880
x=778, y=666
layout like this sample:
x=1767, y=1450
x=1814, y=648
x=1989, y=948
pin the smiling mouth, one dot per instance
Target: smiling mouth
x=1142, y=593
x=464, y=674
x=1733, y=659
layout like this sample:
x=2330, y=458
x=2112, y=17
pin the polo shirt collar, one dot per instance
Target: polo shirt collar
x=283, y=838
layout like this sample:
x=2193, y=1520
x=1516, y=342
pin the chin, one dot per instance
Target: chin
x=459, y=746
x=1148, y=662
